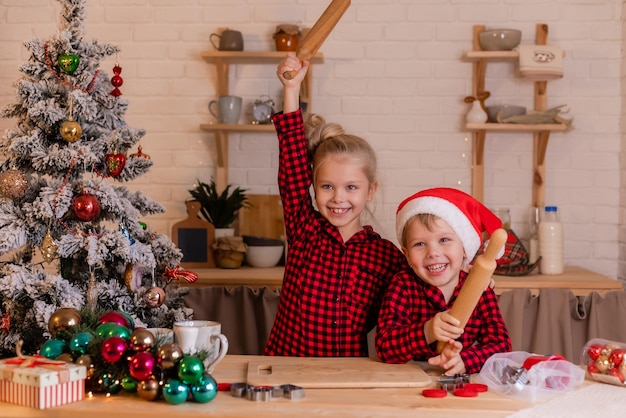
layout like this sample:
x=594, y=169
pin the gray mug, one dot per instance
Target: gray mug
x=229, y=40
x=228, y=109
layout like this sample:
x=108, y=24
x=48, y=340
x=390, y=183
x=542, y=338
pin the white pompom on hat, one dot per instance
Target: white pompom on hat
x=465, y=215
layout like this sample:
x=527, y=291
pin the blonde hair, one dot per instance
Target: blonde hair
x=426, y=219
x=330, y=139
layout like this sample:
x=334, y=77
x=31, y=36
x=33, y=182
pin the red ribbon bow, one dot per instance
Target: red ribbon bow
x=34, y=361
x=179, y=273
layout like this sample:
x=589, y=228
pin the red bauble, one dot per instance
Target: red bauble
x=116, y=81
x=86, y=207
x=617, y=356
x=141, y=365
x=115, y=163
x=594, y=351
x=114, y=317
x=113, y=349
x=592, y=368
x=615, y=371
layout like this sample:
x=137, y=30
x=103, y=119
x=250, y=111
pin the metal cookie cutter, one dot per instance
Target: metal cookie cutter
x=266, y=393
x=453, y=382
x=516, y=378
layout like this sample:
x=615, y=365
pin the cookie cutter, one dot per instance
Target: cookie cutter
x=456, y=381
x=515, y=378
x=266, y=393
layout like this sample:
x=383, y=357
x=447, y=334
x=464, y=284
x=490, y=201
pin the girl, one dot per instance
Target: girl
x=337, y=269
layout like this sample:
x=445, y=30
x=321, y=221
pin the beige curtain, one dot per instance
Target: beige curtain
x=552, y=322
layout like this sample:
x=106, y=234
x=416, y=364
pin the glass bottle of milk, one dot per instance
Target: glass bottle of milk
x=550, y=242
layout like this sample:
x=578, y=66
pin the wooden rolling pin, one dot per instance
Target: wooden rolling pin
x=477, y=281
x=319, y=32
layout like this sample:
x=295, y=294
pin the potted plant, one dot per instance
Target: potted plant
x=220, y=209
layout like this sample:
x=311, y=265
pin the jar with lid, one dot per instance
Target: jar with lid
x=550, y=242
x=287, y=37
x=505, y=216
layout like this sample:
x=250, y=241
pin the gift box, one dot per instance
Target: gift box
x=41, y=383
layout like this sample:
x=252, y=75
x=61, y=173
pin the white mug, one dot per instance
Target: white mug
x=162, y=335
x=229, y=109
x=197, y=336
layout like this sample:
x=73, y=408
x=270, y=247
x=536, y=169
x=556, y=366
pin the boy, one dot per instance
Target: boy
x=440, y=231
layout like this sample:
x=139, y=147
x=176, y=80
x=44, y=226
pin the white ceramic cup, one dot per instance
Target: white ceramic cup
x=226, y=109
x=197, y=336
x=162, y=335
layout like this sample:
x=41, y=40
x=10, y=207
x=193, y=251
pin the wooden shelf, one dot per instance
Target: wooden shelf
x=579, y=280
x=515, y=127
x=222, y=61
x=212, y=127
x=541, y=133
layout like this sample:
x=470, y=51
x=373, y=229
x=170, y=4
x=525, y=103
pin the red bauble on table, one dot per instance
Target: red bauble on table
x=115, y=163
x=86, y=207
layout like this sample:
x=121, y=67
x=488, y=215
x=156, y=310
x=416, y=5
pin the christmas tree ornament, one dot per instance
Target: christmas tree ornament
x=140, y=154
x=62, y=320
x=126, y=233
x=115, y=317
x=85, y=206
x=132, y=277
x=129, y=384
x=52, y=348
x=131, y=321
x=168, y=355
x=48, y=247
x=111, y=329
x=149, y=389
x=92, y=292
x=85, y=360
x=113, y=348
x=13, y=184
x=66, y=357
x=107, y=383
x=115, y=163
x=70, y=130
x=68, y=62
x=155, y=297
x=116, y=80
x=205, y=389
x=175, y=392
x=5, y=322
x=141, y=365
x=142, y=340
x=78, y=343
x=190, y=369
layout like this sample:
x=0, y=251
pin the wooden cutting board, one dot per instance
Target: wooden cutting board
x=334, y=372
x=264, y=217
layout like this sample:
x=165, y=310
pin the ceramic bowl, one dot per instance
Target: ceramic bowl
x=505, y=112
x=500, y=39
x=264, y=256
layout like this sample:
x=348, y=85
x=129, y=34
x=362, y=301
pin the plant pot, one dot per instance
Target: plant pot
x=224, y=232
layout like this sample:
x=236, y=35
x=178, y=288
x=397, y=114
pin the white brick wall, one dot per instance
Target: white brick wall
x=392, y=73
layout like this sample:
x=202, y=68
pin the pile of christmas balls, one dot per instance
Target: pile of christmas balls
x=119, y=357
x=605, y=360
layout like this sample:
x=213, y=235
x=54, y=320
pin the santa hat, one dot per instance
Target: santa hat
x=465, y=215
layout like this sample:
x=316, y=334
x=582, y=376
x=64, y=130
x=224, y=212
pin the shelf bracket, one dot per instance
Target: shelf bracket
x=478, y=166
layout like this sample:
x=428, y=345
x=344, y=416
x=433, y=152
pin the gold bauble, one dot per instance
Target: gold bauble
x=168, y=355
x=66, y=357
x=62, y=320
x=142, y=340
x=48, y=248
x=13, y=184
x=70, y=131
x=149, y=389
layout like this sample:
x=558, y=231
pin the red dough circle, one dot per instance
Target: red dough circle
x=465, y=393
x=435, y=393
x=476, y=387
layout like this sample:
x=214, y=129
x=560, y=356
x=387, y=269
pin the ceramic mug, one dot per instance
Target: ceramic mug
x=194, y=337
x=226, y=109
x=229, y=40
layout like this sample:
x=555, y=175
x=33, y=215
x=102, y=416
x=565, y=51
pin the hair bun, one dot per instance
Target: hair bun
x=318, y=130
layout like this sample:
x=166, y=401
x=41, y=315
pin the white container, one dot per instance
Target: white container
x=550, y=242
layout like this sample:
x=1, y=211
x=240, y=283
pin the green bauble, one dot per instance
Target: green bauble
x=107, y=383
x=52, y=348
x=205, y=389
x=175, y=391
x=129, y=384
x=190, y=369
x=68, y=62
x=78, y=343
x=111, y=329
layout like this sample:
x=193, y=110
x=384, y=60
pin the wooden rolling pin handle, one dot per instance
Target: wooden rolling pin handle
x=477, y=281
x=290, y=74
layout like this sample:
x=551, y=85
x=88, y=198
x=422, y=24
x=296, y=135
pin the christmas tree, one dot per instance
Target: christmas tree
x=70, y=234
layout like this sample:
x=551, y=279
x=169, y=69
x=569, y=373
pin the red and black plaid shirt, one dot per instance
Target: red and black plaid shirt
x=410, y=302
x=331, y=290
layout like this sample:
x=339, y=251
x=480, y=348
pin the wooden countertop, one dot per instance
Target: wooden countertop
x=345, y=403
x=580, y=281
